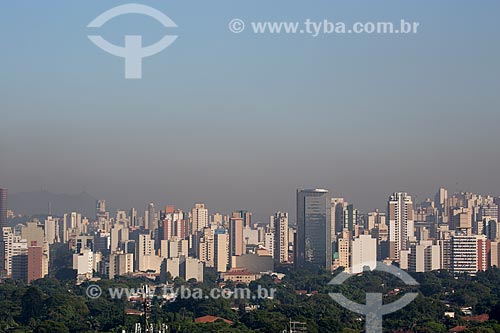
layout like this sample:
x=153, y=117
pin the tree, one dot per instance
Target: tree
x=32, y=305
x=51, y=326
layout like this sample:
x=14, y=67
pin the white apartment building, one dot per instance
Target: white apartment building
x=280, y=246
x=468, y=254
x=364, y=253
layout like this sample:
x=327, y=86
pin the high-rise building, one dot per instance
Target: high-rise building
x=165, y=231
x=119, y=234
x=441, y=202
x=344, y=249
x=182, y=228
x=350, y=218
x=20, y=267
x=84, y=241
x=83, y=263
x=199, y=216
x=34, y=234
x=237, y=245
x=376, y=224
x=364, y=253
x=217, y=219
x=206, y=251
x=488, y=219
x=496, y=201
x=468, y=253
x=191, y=268
x=3, y=208
x=246, y=216
x=314, y=236
x=494, y=254
x=120, y=264
x=133, y=217
x=31, y=263
x=401, y=224
x=173, y=224
x=100, y=208
x=251, y=236
x=269, y=242
x=337, y=209
x=145, y=249
x=73, y=221
x=221, y=259
x=12, y=245
x=424, y=257
x=35, y=263
x=102, y=242
x=152, y=220
x=173, y=266
x=280, y=227
x=101, y=215
x=176, y=248
x=444, y=241
x=6, y=237
x=492, y=230
x=461, y=218
x=51, y=230
x=371, y=222
x=122, y=218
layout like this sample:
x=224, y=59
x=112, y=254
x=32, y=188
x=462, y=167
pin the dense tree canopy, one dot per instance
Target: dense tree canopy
x=53, y=305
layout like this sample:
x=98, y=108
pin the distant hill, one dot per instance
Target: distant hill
x=33, y=203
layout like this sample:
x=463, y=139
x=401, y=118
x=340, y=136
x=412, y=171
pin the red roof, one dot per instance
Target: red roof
x=211, y=319
x=479, y=319
x=133, y=312
x=458, y=329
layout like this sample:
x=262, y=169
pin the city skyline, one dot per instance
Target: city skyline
x=224, y=117
x=258, y=216
x=457, y=232
x=449, y=233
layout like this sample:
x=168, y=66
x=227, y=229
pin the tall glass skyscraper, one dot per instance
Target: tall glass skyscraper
x=314, y=240
x=3, y=207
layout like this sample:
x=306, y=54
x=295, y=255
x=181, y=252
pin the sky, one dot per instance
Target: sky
x=240, y=121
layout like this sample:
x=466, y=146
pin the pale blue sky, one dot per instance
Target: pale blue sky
x=241, y=121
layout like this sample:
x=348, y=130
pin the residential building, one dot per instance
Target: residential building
x=401, y=223
x=364, y=253
x=279, y=247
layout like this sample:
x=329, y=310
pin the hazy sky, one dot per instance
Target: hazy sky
x=240, y=121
